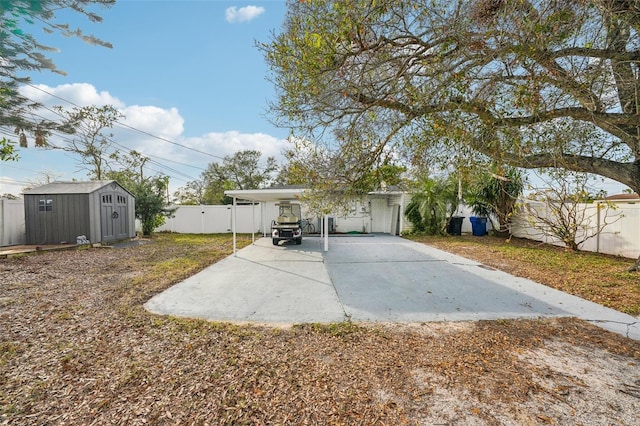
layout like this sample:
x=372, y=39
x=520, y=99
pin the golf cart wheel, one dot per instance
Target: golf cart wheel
x=275, y=241
x=299, y=241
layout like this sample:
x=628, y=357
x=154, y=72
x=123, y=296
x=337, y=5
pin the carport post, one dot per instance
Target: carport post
x=233, y=225
x=253, y=222
x=325, y=225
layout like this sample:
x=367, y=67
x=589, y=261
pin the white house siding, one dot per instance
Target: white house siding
x=357, y=219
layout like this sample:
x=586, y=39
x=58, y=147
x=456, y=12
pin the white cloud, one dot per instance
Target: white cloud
x=154, y=131
x=234, y=15
x=228, y=143
x=165, y=123
x=82, y=94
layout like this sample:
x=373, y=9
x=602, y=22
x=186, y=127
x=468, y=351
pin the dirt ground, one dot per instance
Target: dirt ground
x=76, y=347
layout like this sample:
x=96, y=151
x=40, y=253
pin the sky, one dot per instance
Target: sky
x=186, y=74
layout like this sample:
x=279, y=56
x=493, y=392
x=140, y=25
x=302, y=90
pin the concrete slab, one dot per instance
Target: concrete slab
x=262, y=283
x=379, y=279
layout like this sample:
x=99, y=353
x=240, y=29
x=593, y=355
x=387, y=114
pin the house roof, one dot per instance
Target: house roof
x=625, y=197
x=70, y=187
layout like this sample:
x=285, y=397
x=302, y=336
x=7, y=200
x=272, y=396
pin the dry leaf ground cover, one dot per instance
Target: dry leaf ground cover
x=77, y=347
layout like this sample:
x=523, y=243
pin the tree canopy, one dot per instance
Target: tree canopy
x=20, y=52
x=89, y=139
x=242, y=170
x=532, y=84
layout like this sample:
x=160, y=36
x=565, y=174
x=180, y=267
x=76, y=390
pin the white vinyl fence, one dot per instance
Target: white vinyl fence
x=380, y=214
x=619, y=225
x=620, y=236
x=213, y=220
x=12, y=228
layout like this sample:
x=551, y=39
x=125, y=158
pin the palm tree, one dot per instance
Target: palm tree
x=431, y=206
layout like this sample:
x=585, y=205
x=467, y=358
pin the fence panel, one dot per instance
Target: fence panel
x=12, y=227
x=620, y=227
x=211, y=220
x=621, y=235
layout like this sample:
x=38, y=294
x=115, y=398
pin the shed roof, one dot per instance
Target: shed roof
x=70, y=187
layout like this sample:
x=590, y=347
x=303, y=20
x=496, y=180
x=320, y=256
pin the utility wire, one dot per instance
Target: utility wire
x=64, y=137
x=128, y=127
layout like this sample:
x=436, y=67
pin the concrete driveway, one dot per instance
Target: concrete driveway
x=376, y=278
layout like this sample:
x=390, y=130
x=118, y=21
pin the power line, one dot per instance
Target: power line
x=128, y=127
x=123, y=125
x=64, y=138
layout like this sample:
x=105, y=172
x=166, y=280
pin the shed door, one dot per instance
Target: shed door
x=113, y=216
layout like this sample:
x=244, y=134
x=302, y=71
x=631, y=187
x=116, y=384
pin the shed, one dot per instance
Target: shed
x=60, y=212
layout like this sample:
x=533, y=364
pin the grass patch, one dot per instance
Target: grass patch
x=336, y=329
x=171, y=258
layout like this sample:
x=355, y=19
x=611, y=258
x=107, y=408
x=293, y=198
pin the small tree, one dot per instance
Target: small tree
x=495, y=193
x=561, y=212
x=151, y=203
x=243, y=170
x=151, y=206
x=192, y=194
x=431, y=207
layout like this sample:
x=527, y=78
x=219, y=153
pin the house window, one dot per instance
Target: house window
x=45, y=205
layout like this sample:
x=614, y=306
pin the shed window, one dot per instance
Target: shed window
x=45, y=205
x=121, y=199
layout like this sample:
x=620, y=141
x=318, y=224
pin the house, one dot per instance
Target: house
x=377, y=212
x=64, y=212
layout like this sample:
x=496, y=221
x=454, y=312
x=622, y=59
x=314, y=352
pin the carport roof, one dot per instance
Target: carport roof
x=266, y=195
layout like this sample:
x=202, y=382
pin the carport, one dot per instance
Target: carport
x=272, y=195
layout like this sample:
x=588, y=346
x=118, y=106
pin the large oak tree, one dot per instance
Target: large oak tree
x=533, y=84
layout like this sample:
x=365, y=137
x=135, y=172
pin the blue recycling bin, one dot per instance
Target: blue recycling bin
x=478, y=226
